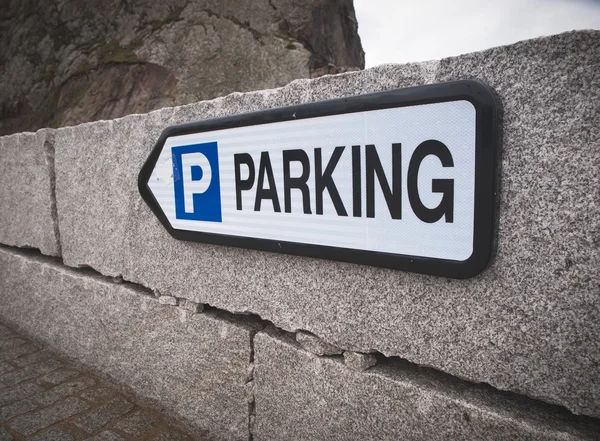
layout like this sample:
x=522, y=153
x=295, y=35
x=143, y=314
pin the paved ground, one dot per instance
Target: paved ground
x=44, y=398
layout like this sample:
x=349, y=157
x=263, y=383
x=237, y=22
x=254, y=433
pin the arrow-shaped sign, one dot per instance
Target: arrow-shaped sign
x=401, y=179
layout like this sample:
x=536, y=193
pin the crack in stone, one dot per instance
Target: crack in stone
x=255, y=33
x=49, y=155
x=252, y=398
x=261, y=324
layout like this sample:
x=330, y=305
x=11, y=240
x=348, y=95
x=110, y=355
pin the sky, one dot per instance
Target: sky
x=400, y=31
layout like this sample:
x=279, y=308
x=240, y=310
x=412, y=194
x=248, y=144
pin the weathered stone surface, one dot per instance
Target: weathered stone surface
x=169, y=435
x=29, y=372
x=194, y=365
x=191, y=306
x=167, y=300
x=52, y=408
x=107, y=435
x=52, y=435
x=64, y=390
x=5, y=367
x=99, y=417
x=19, y=392
x=98, y=395
x=63, y=62
x=19, y=351
x=35, y=421
x=358, y=361
x=314, y=344
x=137, y=423
x=58, y=376
x=10, y=343
x=15, y=409
x=6, y=333
x=5, y=436
x=529, y=323
x=28, y=214
x=303, y=396
x=36, y=357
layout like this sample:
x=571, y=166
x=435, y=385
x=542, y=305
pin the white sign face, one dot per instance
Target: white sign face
x=396, y=181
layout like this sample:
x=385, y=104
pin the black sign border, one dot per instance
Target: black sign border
x=481, y=96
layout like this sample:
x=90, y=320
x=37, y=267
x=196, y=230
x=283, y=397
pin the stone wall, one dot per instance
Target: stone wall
x=286, y=347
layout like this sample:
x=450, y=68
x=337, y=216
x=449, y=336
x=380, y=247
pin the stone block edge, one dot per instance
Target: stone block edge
x=503, y=404
x=508, y=406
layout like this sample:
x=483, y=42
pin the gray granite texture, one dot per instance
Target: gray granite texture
x=28, y=209
x=301, y=396
x=359, y=362
x=314, y=344
x=194, y=366
x=529, y=323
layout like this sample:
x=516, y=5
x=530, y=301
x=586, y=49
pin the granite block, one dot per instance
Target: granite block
x=300, y=395
x=359, y=362
x=167, y=300
x=528, y=324
x=190, y=305
x=28, y=214
x=194, y=366
x=314, y=344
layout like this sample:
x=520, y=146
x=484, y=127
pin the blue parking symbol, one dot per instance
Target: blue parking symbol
x=196, y=181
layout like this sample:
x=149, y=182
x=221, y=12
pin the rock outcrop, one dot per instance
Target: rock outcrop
x=63, y=62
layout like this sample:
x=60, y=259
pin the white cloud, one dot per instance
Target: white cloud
x=399, y=31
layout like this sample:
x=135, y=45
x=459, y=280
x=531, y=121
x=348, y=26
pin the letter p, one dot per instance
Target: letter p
x=196, y=182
